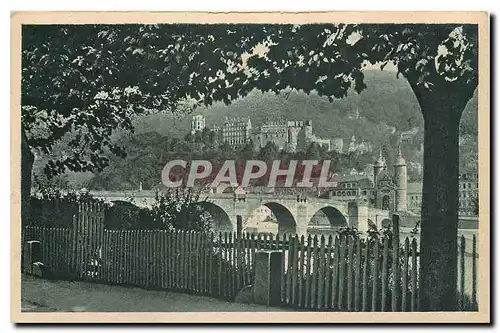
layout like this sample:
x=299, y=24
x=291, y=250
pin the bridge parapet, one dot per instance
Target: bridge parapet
x=296, y=210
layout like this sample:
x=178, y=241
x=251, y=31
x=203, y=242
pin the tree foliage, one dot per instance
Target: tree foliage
x=88, y=81
x=84, y=80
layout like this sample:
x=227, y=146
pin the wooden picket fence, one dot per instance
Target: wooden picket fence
x=348, y=273
x=334, y=273
x=192, y=262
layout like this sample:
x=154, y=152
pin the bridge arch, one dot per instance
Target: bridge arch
x=287, y=223
x=221, y=222
x=329, y=215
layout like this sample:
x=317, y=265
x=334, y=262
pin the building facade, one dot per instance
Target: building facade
x=275, y=132
x=235, y=132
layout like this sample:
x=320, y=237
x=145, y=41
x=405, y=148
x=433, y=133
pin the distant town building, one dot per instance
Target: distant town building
x=337, y=144
x=235, y=132
x=415, y=166
x=262, y=220
x=414, y=196
x=354, y=187
x=362, y=148
x=197, y=124
x=467, y=195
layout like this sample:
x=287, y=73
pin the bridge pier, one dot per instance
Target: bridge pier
x=358, y=215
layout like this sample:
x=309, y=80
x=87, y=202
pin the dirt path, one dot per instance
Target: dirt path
x=46, y=295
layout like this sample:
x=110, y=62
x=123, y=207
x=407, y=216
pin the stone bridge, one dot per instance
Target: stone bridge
x=293, y=213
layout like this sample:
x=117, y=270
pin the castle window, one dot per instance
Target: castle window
x=364, y=192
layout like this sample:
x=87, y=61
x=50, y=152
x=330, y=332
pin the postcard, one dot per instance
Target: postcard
x=215, y=167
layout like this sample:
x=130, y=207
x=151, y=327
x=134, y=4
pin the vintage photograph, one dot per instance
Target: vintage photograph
x=301, y=167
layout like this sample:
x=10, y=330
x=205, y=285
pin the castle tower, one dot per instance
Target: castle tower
x=292, y=139
x=378, y=167
x=197, y=124
x=400, y=180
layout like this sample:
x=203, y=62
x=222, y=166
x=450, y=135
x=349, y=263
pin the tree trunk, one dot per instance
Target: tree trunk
x=439, y=217
x=27, y=159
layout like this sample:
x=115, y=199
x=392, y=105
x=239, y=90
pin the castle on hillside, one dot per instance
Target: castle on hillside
x=292, y=136
x=385, y=190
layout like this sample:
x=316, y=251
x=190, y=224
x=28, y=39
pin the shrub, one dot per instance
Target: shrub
x=54, y=208
x=176, y=209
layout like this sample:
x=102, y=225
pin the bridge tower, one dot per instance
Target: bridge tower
x=400, y=180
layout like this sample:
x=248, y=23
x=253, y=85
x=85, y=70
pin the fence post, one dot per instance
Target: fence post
x=474, y=273
x=328, y=281
x=395, y=261
x=405, y=275
x=302, y=253
x=349, y=267
x=461, y=293
x=267, y=280
x=364, y=305
x=315, y=267
x=375, y=276
x=414, y=292
x=239, y=226
x=357, y=273
x=321, y=275
x=385, y=259
x=341, y=271
x=31, y=255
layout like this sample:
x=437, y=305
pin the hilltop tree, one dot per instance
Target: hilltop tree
x=248, y=151
x=269, y=152
x=313, y=151
x=188, y=137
